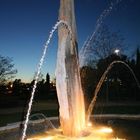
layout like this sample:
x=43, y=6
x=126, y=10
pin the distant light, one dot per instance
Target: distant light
x=89, y=124
x=11, y=85
x=116, y=51
x=106, y=130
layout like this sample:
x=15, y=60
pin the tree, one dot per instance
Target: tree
x=7, y=70
x=138, y=63
x=40, y=76
x=138, y=57
x=119, y=81
x=17, y=87
x=48, y=78
x=48, y=82
x=88, y=81
x=101, y=45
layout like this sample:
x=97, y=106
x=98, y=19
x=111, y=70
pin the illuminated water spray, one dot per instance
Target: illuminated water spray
x=61, y=22
x=87, y=44
x=92, y=104
x=68, y=82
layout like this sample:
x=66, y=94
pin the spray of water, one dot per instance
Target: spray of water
x=61, y=22
x=42, y=116
x=99, y=22
x=92, y=104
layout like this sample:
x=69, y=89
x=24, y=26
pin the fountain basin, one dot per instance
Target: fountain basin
x=98, y=132
x=106, y=127
x=123, y=126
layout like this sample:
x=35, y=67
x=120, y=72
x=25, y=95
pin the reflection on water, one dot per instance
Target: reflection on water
x=98, y=132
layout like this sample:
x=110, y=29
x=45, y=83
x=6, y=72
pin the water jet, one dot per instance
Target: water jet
x=68, y=84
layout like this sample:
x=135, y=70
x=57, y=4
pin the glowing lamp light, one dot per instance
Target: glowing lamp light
x=11, y=86
x=116, y=51
x=89, y=124
x=106, y=130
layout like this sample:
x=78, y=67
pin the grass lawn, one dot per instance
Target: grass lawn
x=117, y=109
x=17, y=117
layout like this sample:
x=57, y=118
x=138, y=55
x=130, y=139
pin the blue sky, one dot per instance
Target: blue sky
x=25, y=26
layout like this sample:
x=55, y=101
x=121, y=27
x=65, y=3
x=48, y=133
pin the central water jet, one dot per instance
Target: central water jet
x=68, y=83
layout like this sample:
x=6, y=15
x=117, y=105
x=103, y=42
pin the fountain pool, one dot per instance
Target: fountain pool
x=96, y=132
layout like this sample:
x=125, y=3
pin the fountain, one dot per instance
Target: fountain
x=84, y=50
x=68, y=83
x=95, y=132
x=38, y=72
x=70, y=95
x=91, y=106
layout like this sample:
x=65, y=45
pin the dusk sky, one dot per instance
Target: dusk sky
x=25, y=27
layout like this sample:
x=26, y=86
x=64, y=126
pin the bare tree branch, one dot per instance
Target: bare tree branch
x=7, y=70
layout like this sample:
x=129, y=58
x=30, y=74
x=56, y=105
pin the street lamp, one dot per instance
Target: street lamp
x=116, y=51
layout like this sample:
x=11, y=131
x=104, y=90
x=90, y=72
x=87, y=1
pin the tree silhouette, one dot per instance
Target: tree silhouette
x=119, y=81
x=101, y=45
x=48, y=78
x=17, y=87
x=7, y=70
x=138, y=63
x=47, y=84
